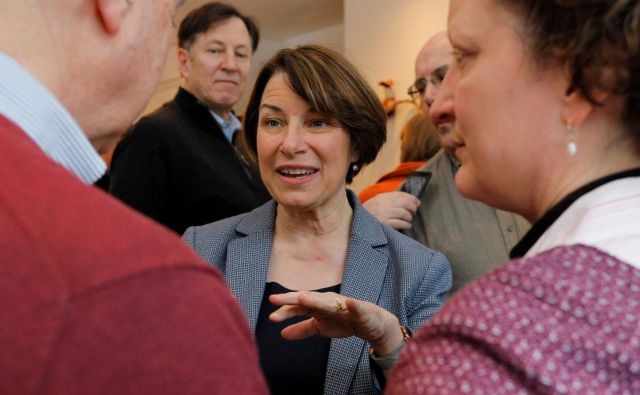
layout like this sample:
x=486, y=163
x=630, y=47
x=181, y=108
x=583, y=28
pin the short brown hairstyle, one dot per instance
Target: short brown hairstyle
x=419, y=139
x=598, y=41
x=201, y=19
x=332, y=86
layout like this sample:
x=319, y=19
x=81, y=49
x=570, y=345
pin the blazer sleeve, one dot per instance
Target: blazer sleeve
x=189, y=237
x=431, y=291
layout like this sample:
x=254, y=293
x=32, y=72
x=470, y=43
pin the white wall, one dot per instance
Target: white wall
x=382, y=38
x=332, y=37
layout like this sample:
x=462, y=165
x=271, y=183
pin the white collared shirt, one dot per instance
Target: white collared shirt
x=607, y=218
x=26, y=102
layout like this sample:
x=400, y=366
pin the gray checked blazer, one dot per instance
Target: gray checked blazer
x=383, y=267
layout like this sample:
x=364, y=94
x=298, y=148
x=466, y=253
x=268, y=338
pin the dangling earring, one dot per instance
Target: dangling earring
x=354, y=167
x=572, y=146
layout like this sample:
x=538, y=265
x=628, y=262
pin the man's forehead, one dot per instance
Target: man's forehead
x=434, y=55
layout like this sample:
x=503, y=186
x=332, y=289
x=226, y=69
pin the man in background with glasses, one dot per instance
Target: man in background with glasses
x=474, y=237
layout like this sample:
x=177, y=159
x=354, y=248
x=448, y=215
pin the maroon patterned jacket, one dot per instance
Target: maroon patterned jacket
x=563, y=322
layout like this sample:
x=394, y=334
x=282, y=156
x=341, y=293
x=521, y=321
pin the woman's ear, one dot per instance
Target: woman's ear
x=112, y=13
x=354, y=156
x=577, y=107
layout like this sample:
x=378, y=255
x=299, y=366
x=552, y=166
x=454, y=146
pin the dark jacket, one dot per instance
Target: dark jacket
x=176, y=166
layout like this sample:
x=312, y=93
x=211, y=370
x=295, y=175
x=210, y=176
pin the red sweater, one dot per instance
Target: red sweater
x=97, y=299
x=390, y=181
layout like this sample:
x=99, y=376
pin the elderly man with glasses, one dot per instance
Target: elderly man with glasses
x=474, y=237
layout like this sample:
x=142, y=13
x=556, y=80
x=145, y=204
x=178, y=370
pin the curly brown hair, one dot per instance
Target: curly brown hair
x=598, y=41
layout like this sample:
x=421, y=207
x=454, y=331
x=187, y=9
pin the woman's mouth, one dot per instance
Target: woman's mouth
x=296, y=172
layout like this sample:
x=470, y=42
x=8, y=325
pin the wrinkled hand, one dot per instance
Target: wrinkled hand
x=334, y=315
x=395, y=209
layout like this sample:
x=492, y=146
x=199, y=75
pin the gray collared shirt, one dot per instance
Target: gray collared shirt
x=26, y=102
x=229, y=127
x=474, y=237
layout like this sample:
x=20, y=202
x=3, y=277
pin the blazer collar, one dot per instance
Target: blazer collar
x=363, y=279
x=248, y=259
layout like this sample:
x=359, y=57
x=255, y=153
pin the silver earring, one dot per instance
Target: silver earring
x=354, y=167
x=572, y=146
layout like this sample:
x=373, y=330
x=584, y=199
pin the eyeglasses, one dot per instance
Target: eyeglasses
x=417, y=89
x=419, y=86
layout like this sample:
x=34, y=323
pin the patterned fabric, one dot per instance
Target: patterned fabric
x=383, y=267
x=565, y=322
x=415, y=183
x=29, y=104
x=473, y=236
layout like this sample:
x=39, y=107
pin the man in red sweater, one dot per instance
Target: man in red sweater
x=95, y=298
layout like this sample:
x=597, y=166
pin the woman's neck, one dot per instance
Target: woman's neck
x=589, y=166
x=329, y=221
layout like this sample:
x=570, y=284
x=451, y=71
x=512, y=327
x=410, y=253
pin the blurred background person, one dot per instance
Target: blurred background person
x=419, y=142
x=179, y=165
x=97, y=299
x=562, y=148
x=473, y=236
x=313, y=123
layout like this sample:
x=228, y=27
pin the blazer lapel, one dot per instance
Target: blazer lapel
x=364, y=273
x=248, y=260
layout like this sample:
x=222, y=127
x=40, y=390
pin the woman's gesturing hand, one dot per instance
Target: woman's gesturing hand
x=334, y=315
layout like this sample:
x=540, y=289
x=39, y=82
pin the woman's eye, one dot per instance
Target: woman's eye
x=271, y=123
x=318, y=123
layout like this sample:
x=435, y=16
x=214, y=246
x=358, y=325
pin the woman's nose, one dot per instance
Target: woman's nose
x=293, y=141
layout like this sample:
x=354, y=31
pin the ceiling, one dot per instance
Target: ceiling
x=282, y=19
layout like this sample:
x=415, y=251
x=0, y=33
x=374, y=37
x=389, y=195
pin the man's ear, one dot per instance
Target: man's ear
x=183, y=62
x=112, y=13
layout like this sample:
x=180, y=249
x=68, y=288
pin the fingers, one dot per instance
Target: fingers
x=301, y=330
x=406, y=201
x=288, y=311
x=398, y=224
x=294, y=304
x=395, y=209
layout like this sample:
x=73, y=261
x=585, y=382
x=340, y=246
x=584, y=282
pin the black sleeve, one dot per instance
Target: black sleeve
x=139, y=173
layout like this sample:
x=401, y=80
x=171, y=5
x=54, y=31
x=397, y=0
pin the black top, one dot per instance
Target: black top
x=541, y=226
x=290, y=367
x=177, y=167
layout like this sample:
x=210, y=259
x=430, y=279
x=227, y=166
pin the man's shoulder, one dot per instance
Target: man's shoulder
x=164, y=121
x=69, y=246
x=83, y=234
